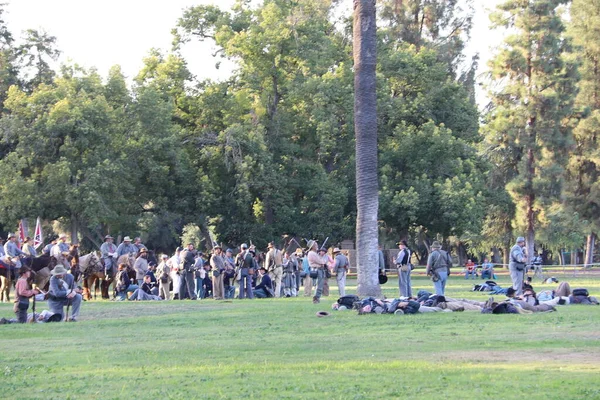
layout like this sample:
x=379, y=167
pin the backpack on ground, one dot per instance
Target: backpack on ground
x=581, y=292
x=348, y=300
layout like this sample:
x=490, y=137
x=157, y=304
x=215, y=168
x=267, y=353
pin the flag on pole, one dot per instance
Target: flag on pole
x=38, y=238
x=22, y=234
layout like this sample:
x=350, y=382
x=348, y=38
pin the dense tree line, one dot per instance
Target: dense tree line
x=270, y=151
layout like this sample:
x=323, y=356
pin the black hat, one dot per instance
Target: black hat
x=402, y=242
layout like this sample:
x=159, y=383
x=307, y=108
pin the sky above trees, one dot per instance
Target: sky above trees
x=105, y=33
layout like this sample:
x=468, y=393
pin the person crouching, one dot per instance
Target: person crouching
x=63, y=292
x=23, y=293
x=264, y=288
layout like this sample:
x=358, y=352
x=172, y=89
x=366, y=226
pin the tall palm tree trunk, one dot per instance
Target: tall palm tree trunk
x=365, y=127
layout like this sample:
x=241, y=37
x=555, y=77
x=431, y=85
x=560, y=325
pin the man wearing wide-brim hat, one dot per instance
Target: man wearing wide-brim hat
x=64, y=292
x=438, y=267
x=317, y=263
x=126, y=247
x=141, y=267
x=341, y=269
x=217, y=264
x=108, y=252
x=12, y=251
x=516, y=265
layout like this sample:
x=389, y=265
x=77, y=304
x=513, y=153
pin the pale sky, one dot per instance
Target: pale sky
x=104, y=33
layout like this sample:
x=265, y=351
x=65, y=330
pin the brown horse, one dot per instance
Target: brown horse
x=92, y=270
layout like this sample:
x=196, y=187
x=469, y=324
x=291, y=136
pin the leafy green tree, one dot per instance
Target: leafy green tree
x=35, y=55
x=530, y=118
x=9, y=67
x=443, y=25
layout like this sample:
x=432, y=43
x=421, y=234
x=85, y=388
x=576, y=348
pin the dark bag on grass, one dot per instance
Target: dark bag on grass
x=580, y=292
x=348, y=300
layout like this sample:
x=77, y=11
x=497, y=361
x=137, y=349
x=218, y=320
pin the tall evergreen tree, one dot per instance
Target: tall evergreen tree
x=583, y=189
x=532, y=106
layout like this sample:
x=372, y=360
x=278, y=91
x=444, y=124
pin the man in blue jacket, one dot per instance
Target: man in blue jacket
x=264, y=288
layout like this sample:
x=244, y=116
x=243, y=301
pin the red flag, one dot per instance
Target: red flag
x=38, y=238
x=22, y=233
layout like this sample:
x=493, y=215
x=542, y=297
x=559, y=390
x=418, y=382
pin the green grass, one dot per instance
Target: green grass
x=280, y=349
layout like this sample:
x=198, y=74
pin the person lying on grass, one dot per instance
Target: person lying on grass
x=44, y=316
x=145, y=292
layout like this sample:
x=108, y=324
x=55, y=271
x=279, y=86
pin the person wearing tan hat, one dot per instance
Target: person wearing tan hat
x=60, y=251
x=64, y=292
x=108, y=252
x=317, y=260
x=12, y=251
x=141, y=266
x=126, y=247
x=218, y=266
x=341, y=269
x=438, y=267
x=274, y=264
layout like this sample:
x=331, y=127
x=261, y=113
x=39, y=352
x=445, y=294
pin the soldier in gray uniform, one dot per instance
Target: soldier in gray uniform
x=108, y=252
x=13, y=252
x=516, y=265
x=403, y=265
x=127, y=248
x=438, y=267
x=341, y=269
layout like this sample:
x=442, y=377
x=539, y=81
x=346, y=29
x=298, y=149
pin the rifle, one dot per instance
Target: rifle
x=323, y=245
x=67, y=313
x=33, y=308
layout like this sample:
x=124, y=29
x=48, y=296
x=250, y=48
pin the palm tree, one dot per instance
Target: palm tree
x=365, y=128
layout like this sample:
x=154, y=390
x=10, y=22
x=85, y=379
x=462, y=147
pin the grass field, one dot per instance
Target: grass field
x=279, y=349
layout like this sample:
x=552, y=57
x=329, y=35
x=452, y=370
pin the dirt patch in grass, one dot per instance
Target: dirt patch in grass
x=553, y=356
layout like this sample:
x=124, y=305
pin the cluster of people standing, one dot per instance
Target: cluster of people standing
x=222, y=275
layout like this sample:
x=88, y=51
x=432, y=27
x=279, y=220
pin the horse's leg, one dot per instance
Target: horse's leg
x=4, y=287
x=86, y=288
x=97, y=284
x=105, y=286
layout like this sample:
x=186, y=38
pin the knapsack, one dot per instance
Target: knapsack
x=581, y=292
x=164, y=277
x=348, y=300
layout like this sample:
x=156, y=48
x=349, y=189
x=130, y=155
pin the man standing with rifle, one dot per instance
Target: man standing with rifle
x=317, y=264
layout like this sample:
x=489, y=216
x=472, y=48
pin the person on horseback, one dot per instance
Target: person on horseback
x=12, y=251
x=60, y=250
x=28, y=247
x=137, y=242
x=108, y=252
x=127, y=247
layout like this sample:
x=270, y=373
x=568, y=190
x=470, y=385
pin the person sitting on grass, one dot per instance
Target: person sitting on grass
x=470, y=269
x=264, y=288
x=145, y=291
x=487, y=270
x=43, y=317
x=123, y=283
